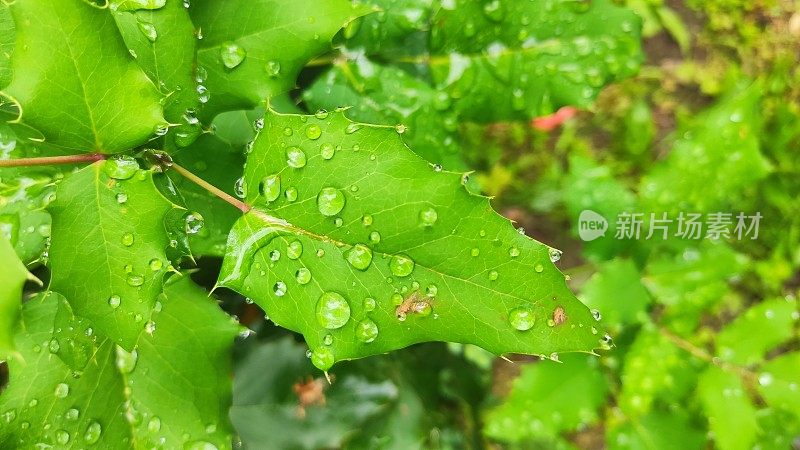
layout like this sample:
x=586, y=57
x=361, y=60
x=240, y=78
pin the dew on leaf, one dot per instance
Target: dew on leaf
x=333, y=311
x=352, y=128
x=232, y=54
x=366, y=331
x=291, y=194
x=375, y=237
x=475, y=251
x=275, y=255
x=295, y=157
x=72, y=414
x=279, y=288
x=154, y=424
x=62, y=437
x=303, y=275
x=397, y=299
x=270, y=187
x=513, y=252
x=596, y=314
x=338, y=222
x=114, y=301
x=555, y=254
x=200, y=445
x=126, y=362
x=127, y=239
x=135, y=280
x=321, y=114
x=360, y=256
x=294, y=250
x=273, y=68
x=538, y=268
x=328, y=339
x=62, y=390
x=428, y=217
x=120, y=167
x=322, y=358
x=327, y=151
x=493, y=275
x=521, y=318
x=54, y=346
x=155, y=264
x=313, y=132
x=194, y=223
x=122, y=198
x=93, y=432
x=330, y=201
x=401, y=265
x=148, y=30
x=431, y=290
x=240, y=188
x=366, y=220
x=369, y=304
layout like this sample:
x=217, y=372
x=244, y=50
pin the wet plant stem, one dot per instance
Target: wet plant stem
x=52, y=160
x=245, y=208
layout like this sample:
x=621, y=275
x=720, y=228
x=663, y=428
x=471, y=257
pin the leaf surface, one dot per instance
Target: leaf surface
x=383, y=233
x=730, y=412
x=107, y=252
x=12, y=278
x=76, y=82
x=758, y=330
x=121, y=399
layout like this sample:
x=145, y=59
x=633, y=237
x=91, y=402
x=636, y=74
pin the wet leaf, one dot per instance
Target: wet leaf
x=385, y=251
x=779, y=383
x=121, y=399
x=731, y=414
x=107, y=254
x=7, y=39
x=70, y=66
x=657, y=431
x=248, y=61
x=616, y=291
x=12, y=278
x=762, y=327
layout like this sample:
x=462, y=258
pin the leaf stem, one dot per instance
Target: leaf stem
x=52, y=160
x=743, y=372
x=245, y=208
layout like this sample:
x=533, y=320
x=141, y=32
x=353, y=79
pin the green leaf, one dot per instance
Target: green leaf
x=549, y=398
x=747, y=339
x=248, y=61
x=7, y=38
x=657, y=431
x=75, y=80
x=779, y=381
x=164, y=44
x=107, y=253
x=12, y=279
x=730, y=413
x=162, y=394
x=510, y=59
x=399, y=27
x=387, y=95
x=719, y=148
x=616, y=290
x=382, y=226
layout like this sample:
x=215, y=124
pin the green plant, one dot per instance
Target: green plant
x=122, y=117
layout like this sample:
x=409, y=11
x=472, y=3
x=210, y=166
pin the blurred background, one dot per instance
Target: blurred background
x=704, y=320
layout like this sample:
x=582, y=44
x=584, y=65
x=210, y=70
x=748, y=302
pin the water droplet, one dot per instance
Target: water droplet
x=538, y=268
x=295, y=157
x=431, y=290
x=328, y=339
x=294, y=250
x=320, y=253
x=322, y=358
x=154, y=425
x=240, y=188
x=493, y=275
x=360, y=256
x=270, y=187
x=72, y=414
x=327, y=151
x=765, y=379
x=596, y=314
x=62, y=437
x=369, y=304
x=148, y=30
x=135, y=280
x=352, y=128
x=54, y=346
x=333, y=311
x=93, y=432
x=555, y=254
x=428, y=217
x=279, y=289
x=291, y=194
x=366, y=220
x=330, y=201
x=122, y=198
x=303, y=275
x=114, y=301
x=120, y=167
x=126, y=362
x=194, y=223
x=513, y=252
x=397, y=299
x=273, y=68
x=232, y=54
x=287, y=131
x=156, y=264
x=521, y=318
x=366, y=331
x=274, y=255
x=313, y=132
x=258, y=124
x=375, y=237
x=62, y=390
x=200, y=445
x=127, y=239
x=401, y=265
x=437, y=167
x=475, y=251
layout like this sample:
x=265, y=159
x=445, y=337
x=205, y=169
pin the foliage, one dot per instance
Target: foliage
x=272, y=167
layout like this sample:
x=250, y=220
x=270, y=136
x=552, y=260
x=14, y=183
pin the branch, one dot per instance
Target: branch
x=52, y=160
x=245, y=208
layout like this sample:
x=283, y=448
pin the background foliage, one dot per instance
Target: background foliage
x=703, y=118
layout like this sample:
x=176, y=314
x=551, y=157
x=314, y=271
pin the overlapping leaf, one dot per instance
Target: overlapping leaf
x=164, y=393
x=253, y=50
x=12, y=278
x=350, y=229
x=75, y=81
x=758, y=330
x=108, y=246
x=730, y=412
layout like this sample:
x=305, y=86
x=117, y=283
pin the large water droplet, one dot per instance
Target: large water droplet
x=333, y=311
x=303, y=275
x=93, y=432
x=555, y=254
x=114, y=301
x=154, y=425
x=327, y=151
x=295, y=157
x=279, y=289
x=360, y=256
x=401, y=265
x=232, y=54
x=330, y=201
x=366, y=331
x=294, y=250
x=120, y=167
x=270, y=187
x=194, y=223
x=313, y=131
x=428, y=217
x=375, y=237
x=126, y=362
x=323, y=358
x=62, y=437
x=521, y=318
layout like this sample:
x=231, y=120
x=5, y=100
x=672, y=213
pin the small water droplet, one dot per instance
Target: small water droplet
x=240, y=188
x=330, y=201
x=428, y=217
x=375, y=237
x=555, y=254
x=135, y=280
x=127, y=239
x=366, y=220
x=93, y=432
x=322, y=358
x=328, y=339
x=62, y=437
x=126, y=362
x=295, y=157
x=62, y=390
x=352, y=128
x=156, y=264
x=303, y=275
x=54, y=346
x=279, y=289
x=232, y=54
x=273, y=68
x=369, y=304
x=513, y=252
x=327, y=151
x=294, y=250
x=270, y=187
x=521, y=318
x=194, y=223
x=493, y=275
x=122, y=198
x=313, y=132
x=538, y=268
x=596, y=314
x=275, y=255
x=401, y=265
x=431, y=290
x=114, y=301
x=290, y=194
x=360, y=256
x=154, y=424
x=148, y=30
x=333, y=311
x=366, y=331
x=120, y=167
